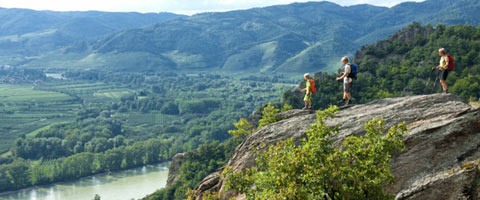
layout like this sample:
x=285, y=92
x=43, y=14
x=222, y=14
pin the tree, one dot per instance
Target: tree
x=269, y=115
x=97, y=197
x=243, y=128
x=169, y=108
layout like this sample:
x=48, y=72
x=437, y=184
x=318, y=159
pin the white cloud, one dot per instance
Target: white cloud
x=178, y=6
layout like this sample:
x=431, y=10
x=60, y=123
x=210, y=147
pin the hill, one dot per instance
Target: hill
x=401, y=65
x=25, y=33
x=295, y=38
x=439, y=159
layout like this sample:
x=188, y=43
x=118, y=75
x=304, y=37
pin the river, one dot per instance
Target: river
x=121, y=185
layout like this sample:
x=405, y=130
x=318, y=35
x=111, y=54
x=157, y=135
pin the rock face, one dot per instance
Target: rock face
x=174, y=169
x=441, y=147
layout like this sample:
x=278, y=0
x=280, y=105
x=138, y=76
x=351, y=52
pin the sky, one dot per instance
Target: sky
x=176, y=6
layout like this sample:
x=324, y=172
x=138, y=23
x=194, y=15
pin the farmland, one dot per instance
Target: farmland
x=24, y=109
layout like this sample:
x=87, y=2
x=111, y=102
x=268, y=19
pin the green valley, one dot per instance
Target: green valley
x=118, y=120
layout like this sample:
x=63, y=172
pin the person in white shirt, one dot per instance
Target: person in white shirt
x=347, y=82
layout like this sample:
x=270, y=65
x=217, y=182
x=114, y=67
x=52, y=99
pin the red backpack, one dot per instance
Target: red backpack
x=451, y=65
x=312, y=86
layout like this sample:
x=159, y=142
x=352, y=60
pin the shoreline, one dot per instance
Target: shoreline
x=84, y=177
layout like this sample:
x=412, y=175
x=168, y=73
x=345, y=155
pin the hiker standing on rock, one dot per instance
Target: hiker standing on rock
x=347, y=82
x=309, y=90
x=446, y=65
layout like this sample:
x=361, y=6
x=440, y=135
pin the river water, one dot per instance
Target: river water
x=122, y=185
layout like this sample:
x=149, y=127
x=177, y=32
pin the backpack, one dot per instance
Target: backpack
x=451, y=65
x=354, y=72
x=312, y=86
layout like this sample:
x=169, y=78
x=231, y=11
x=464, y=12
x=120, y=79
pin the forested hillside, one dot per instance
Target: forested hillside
x=401, y=65
x=300, y=37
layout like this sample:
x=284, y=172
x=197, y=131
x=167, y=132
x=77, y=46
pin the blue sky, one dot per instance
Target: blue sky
x=176, y=6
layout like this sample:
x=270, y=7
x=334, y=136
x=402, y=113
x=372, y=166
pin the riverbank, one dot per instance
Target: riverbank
x=126, y=184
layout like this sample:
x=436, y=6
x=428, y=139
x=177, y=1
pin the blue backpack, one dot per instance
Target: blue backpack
x=354, y=71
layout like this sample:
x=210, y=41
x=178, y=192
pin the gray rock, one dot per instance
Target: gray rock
x=443, y=135
x=174, y=169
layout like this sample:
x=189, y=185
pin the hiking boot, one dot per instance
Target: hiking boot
x=341, y=101
x=310, y=107
x=445, y=92
x=305, y=108
x=348, y=102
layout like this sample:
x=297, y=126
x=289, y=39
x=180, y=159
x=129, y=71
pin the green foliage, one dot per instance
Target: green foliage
x=269, y=115
x=243, y=128
x=199, y=106
x=404, y=67
x=317, y=169
x=24, y=109
x=286, y=107
x=467, y=87
x=22, y=173
x=195, y=165
x=97, y=197
x=170, y=108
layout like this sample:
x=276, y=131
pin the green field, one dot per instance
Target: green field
x=137, y=119
x=112, y=94
x=24, y=110
x=89, y=92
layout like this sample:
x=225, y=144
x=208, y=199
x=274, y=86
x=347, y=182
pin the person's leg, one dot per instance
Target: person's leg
x=307, y=99
x=444, y=85
x=443, y=80
x=348, y=94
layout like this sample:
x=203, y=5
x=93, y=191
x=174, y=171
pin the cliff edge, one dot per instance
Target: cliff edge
x=440, y=160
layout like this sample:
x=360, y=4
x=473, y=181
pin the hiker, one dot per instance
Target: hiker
x=347, y=81
x=308, y=91
x=446, y=65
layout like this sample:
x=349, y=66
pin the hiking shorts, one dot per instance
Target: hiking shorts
x=347, y=87
x=444, y=74
x=307, y=97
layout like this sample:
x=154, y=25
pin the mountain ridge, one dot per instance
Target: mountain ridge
x=25, y=32
x=230, y=41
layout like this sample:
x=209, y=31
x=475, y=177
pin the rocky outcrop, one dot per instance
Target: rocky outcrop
x=439, y=160
x=174, y=169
